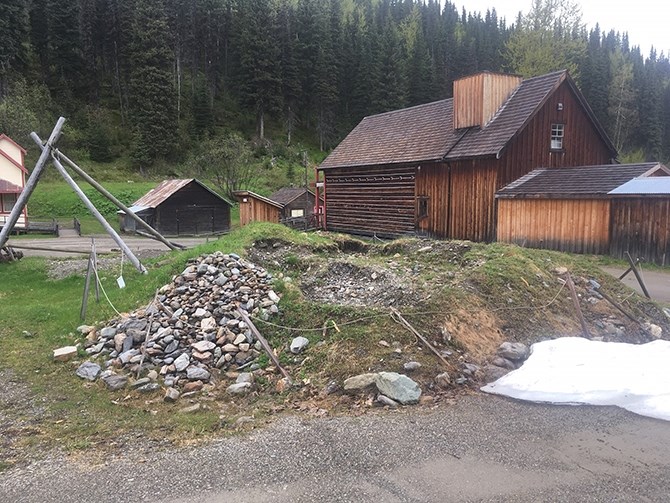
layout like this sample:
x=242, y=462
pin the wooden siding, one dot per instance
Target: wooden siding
x=371, y=200
x=641, y=226
x=255, y=210
x=304, y=202
x=432, y=182
x=192, y=210
x=570, y=225
x=530, y=149
x=477, y=98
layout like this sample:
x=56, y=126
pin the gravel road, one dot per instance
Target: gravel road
x=481, y=448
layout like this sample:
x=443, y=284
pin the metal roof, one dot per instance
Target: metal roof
x=239, y=194
x=642, y=186
x=134, y=209
x=167, y=188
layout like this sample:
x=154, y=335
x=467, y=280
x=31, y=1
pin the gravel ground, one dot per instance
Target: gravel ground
x=482, y=448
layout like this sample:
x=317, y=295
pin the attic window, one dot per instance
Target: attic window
x=8, y=202
x=422, y=207
x=557, y=131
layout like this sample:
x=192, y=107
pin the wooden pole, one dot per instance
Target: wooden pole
x=409, y=327
x=66, y=176
x=44, y=248
x=264, y=343
x=32, y=182
x=637, y=275
x=87, y=287
x=119, y=204
x=637, y=261
x=575, y=301
x=94, y=252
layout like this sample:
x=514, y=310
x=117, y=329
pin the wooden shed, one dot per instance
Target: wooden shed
x=579, y=210
x=290, y=205
x=434, y=169
x=12, y=179
x=181, y=207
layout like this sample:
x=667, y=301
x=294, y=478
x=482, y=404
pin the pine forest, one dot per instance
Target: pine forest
x=188, y=86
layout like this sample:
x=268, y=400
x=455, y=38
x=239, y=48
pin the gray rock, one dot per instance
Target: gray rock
x=398, y=387
x=108, y=332
x=361, y=383
x=499, y=361
x=182, y=362
x=197, y=374
x=115, y=382
x=245, y=377
x=411, y=366
x=191, y=409
x=208, y=324
x=140, y=382
x=85, y=329
x=65, y=353
x=203, y=346
x=493, y=373
x=127, y=356
x=299, y=344
x=240, y=388
x=89, y=371
x=514, y=351
x=171, y=395
x=384, y=400
x=94, y=350
x=171, y=347
x=149, y=388
x=200, y=313
x=273, y=296
x=443, y=380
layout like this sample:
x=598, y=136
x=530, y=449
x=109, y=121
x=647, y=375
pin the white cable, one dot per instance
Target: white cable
x=97, y=278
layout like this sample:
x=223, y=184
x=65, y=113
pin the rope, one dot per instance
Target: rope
x=97, y=278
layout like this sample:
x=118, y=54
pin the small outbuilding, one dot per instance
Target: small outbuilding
x=605, y=209
x=12, y=179
x=292, y=206
x=181, y=207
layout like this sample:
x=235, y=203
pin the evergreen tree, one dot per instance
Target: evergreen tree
x=152, y=96
x=13, y=35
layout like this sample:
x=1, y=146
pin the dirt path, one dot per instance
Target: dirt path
x=482, y=448
x=103, y=243
x=658, y=282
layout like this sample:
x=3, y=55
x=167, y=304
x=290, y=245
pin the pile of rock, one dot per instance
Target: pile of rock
x=510, y=356
x=193, y=329
x=391, y=388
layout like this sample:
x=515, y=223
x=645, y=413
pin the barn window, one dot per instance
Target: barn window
x=8, y=202
x=422, y=207
x=557, y=131
x=297, y=213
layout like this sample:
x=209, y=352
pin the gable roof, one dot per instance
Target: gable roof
x=247, y=193
x=287, y=195
x=156, y=196
x=426, y=132
x=7, y=187
x=580, y=181
x=3, y=136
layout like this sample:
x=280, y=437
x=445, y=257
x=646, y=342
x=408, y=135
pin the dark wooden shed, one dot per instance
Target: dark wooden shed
x=587, y=209
x=181, y=207
x=434, y=169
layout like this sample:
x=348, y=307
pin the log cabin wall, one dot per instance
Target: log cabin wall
x=531, y=148
x=641, y=226
x=432, y=183
x=568, y=225
x=371, y=200
x=256, y=210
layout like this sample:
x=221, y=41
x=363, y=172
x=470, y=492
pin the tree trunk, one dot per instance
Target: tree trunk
x=261, y=124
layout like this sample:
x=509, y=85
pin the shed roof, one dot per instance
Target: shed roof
x=288, y=194
x=239, y=194
x=426, y=132
x=579, y=181
x=7, y=187
x=156, y=196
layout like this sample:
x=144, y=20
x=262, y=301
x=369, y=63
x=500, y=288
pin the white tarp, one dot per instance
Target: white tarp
x=572, y=370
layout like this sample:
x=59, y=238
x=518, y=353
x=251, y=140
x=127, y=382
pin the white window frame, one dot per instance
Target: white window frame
x=297, y=213
x=557, y=136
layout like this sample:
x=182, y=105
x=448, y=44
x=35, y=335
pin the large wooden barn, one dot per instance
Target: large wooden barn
x=434, y=169
x=289, y=205
x=181, y=207
x=590, y=209
x=12, y=179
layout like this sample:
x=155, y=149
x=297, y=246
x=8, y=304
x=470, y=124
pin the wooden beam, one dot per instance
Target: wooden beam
x=578, y=309
x=32, y=182
x=399, y=318
x=637, y=275
x=154, y=233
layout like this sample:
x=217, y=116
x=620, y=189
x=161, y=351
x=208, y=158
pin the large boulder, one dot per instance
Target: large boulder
x=360, y=383
x=515, y=351
x=398, y=387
